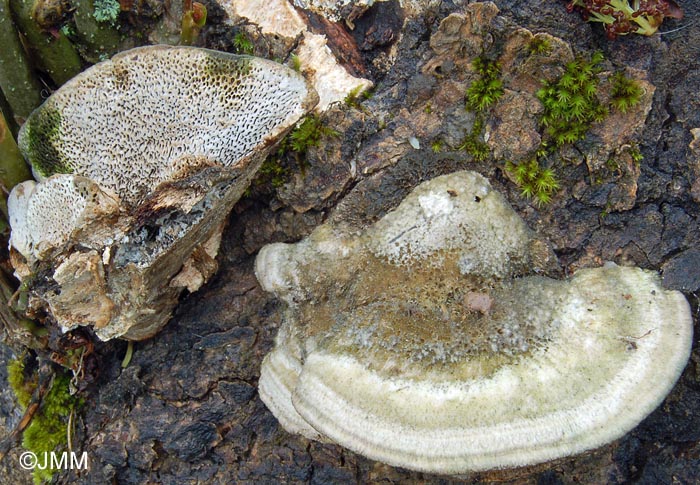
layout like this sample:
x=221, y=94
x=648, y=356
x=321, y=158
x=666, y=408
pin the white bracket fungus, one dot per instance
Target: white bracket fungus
x=140, y=159
x=433, y=341
x=328, y=77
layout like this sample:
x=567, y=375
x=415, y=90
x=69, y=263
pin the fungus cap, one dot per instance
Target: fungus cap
x=395, y=348
x=140, y=160
x=156, y=113
x=44, y=216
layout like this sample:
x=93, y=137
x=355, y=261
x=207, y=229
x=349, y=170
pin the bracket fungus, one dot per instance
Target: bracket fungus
x=139, y=161
x=434, y=341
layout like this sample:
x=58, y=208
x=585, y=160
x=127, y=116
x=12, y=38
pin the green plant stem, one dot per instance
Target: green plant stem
x=99, y=40
x=129, y=353
x=194, y=16
x=54, y=55
x=19, y=86
x=13, y=168
x=6, y=111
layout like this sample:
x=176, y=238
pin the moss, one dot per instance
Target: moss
x=626, y=92
x=539, y=45
x=473, y=143
x=571, y=103
x=22, y=386
x=488, y=89
x=636, y=154
x=356, y=96
x=273, y=171
x=242, y=44
x=535, y=181
x=309, y=133
x=48, y=430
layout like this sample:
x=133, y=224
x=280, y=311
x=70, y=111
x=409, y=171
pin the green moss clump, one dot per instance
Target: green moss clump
x=535, y=182
x=636, y=154
x=309, y=133
x=486, y=90
x=539, y=45
x=626, y=92
x=274, y=171
x=22, y=386
x=352, y=99
x=570, y=103
x=242, y=44
x=473, y=143
x=48, y=430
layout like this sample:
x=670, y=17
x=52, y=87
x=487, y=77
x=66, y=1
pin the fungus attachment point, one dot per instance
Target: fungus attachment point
x=433, y=341
x=140, y=160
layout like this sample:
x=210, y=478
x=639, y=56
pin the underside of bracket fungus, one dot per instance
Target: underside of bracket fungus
x=139, y=161
x=433, y=340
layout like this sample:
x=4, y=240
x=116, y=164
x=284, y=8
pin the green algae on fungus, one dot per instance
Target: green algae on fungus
x=40, y=144
x=434, y=341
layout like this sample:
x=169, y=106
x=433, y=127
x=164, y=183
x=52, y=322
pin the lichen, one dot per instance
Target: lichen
x=106, y=11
